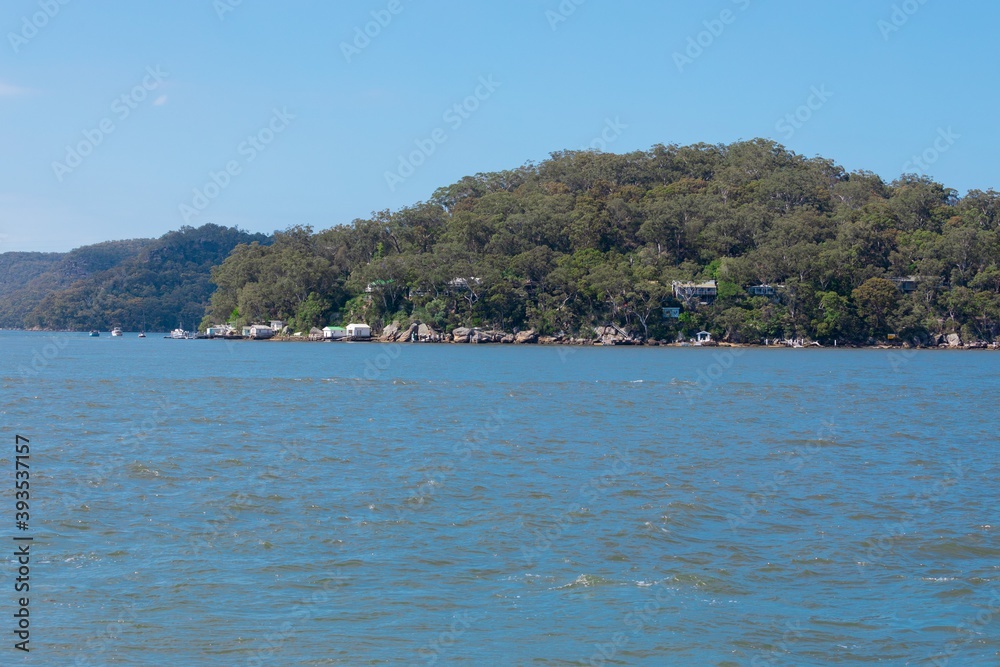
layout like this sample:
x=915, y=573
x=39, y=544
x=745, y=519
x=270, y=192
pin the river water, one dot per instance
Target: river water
x=261, y=503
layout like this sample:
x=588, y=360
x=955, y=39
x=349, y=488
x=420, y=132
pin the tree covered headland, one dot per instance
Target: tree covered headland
x=153, y=282
x=589, y=238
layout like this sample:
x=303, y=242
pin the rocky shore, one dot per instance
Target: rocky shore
x=611, y=335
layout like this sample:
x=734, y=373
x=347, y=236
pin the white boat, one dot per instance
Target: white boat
x=178, y=334
x=117, y=331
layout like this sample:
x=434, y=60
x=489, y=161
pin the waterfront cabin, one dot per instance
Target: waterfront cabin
x=671, y=313
x=334, y=333
x=359, y=331
x=702, y=293
x=220, y=331
x=277, y=326
x=261, y=332
x=703, y=337
x=762, y=290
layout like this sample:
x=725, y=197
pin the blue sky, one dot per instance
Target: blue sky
x=261, y=108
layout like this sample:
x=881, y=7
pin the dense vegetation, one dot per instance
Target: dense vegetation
x=587, y=238
x=121, y=283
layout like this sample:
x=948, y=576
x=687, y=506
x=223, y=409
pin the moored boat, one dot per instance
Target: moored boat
x=95, y=333
x=116, y=332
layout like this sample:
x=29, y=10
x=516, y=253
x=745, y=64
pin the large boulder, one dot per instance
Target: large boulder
x=491, y=336
x=954, y=340
x=426, y=333
x=507, y=339
x=461, y=334
x=389, y=333
x=529, y=336
x=611, y=335
x=408, y=334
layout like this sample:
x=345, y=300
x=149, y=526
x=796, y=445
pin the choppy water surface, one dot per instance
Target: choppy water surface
x=211, y=503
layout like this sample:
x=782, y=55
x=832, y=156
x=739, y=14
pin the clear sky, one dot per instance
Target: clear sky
x=112, y=113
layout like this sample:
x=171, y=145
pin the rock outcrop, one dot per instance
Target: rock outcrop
x=389, y=333
x=609, y=334
x=526, y=337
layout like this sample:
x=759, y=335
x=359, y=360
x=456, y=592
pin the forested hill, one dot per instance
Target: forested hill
x=118, y=283
x=590, y=238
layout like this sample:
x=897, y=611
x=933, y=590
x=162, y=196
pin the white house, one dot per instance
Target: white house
x=334, y=333
x=703, y=337
x=359, y=331
x=261, y=331
x=277, y=325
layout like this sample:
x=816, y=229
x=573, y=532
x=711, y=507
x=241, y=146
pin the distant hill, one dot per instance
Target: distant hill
x=119, y=283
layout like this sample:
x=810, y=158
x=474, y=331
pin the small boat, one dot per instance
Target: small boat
x=116, y=332
x=142, y=334
x=95, y=333
x=178, y=334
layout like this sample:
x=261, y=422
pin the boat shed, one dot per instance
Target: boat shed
x=334, y=333
x=261, y=331
x=359, y=331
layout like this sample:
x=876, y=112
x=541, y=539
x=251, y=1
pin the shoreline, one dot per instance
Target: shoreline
x=569, y=342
